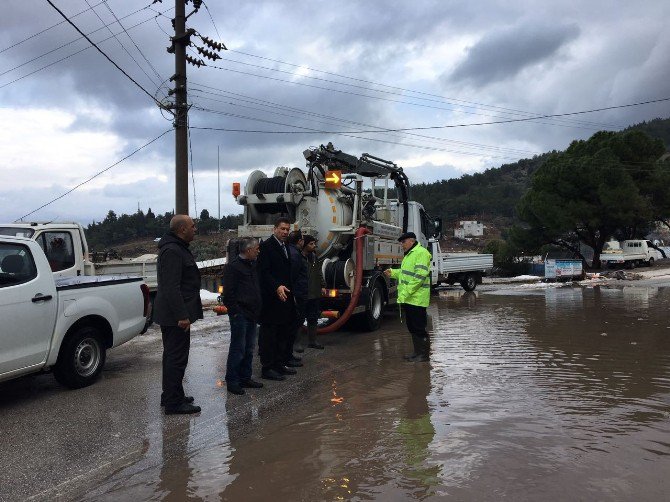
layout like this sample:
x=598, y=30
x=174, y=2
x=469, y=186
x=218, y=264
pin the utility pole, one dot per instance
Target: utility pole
x=218, y=183
x=180, y=41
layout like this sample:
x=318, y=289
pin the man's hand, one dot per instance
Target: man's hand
x=184, y=324
x=387, y=272
x=282, y=293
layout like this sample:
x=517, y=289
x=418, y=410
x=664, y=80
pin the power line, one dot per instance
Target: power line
x=133, y=41
x=339, y=121
x=102, y=52
x=97, y=174
x=190, y=149
x=450, y=126
x=212, y=19
x=74, y=41
x=396, y=93
x=473, y=104
x=49, y=28
x=121, y=43
x=351, y=93
x=468, y=104
x=308, y=130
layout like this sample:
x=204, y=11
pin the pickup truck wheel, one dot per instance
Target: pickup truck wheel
x=372, y=317
x=650, y=262
x=469, y=282
x=81, y=358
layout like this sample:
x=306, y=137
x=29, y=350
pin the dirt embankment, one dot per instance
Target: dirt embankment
x=204, y=247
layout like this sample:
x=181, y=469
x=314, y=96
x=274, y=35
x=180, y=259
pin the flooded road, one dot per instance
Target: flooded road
x=557, y=393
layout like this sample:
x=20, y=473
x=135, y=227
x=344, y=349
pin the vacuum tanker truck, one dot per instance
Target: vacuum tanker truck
x=356, y=207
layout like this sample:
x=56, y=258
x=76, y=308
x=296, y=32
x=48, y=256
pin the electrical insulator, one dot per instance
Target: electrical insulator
x=214, y=45
x=195, y=62
x=208, y=54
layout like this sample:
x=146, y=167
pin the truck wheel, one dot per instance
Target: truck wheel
x=469, y=282
x=372, y=317
x=650, y=262
x=81, y=358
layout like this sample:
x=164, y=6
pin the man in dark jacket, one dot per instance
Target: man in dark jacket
x=314, y=285
x=299, y=282
x=177, y=305
x=278, y=312
x=242, y=297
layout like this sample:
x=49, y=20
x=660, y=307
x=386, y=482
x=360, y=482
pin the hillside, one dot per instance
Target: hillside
x=493, y=194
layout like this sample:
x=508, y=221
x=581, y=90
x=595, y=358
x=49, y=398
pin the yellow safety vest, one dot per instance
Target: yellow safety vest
x=413, y=277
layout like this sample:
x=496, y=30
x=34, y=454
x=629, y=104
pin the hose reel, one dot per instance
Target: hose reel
x=285, y=181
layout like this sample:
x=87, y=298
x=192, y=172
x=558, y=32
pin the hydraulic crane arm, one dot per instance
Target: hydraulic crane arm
x=327, y=157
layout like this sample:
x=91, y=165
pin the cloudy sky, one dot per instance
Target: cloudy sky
x=305, y=73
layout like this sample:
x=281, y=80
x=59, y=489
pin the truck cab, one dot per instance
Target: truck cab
x=64, y=245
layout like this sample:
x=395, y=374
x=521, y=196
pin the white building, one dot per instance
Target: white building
x=469, y=229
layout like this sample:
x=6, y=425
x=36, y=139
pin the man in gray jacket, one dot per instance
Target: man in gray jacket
x=177, y=305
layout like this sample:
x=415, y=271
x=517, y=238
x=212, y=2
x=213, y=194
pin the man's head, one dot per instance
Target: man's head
x=407, y=240
x=296, y=239
x=249, y=248
x=309, y=244
x=282, y=226
x=183, y=226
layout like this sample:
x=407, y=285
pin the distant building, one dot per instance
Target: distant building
x=469, y=229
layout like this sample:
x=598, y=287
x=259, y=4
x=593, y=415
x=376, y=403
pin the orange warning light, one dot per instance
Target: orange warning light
x=236, y=189
x=333, y=179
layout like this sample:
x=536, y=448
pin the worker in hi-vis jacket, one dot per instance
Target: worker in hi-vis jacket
x=413, y=278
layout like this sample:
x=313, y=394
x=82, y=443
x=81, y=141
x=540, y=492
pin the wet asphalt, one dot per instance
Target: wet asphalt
x=61, y=444
x=527, y=383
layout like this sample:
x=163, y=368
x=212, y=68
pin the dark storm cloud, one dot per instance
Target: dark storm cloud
x=503, y=54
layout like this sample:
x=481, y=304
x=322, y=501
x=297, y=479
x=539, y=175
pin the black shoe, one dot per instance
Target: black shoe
x=419, y=358
x=251, y=384
x=294, y=364
x=187, y=400
x=272, y=375
x=183, y=409
x=316, y=346
x=285, y=370
x=295, y=358
x=235, y=388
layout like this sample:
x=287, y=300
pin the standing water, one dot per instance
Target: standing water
x=561, y=393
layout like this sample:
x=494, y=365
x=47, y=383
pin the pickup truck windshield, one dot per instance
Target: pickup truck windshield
x=17, y=232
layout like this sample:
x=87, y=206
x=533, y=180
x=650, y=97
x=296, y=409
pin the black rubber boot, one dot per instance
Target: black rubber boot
x=423, y=354
x=301, y=341
x=416, y=342
x=311, y=336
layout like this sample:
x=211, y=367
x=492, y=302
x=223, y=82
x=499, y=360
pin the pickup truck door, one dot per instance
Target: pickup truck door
x=28, y=307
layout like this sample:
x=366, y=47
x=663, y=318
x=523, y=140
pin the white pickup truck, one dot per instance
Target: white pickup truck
x=630, y=253
x=62, y=324
x=68, y=254
x=466, y=269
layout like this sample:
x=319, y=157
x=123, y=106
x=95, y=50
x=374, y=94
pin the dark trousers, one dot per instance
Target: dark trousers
x=417, y=319
x=313, y=311
x=243, y=334
x=176, y=345
x=272, y=343
x=300, y=320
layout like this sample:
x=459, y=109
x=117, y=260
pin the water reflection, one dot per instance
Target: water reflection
x=561, y=393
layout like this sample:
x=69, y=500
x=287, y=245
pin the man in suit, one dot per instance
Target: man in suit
x=278, y=312
x=177, y=305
